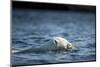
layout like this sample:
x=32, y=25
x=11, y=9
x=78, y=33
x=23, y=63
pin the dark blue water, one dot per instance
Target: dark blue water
x=33, y=29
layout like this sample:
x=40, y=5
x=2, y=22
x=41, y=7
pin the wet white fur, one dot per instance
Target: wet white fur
x=62, y=42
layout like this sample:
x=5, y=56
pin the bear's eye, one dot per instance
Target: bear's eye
x=55, y=41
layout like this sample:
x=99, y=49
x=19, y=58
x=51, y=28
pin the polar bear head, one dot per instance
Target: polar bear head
x=62, y=43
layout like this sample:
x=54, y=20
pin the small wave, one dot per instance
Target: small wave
x=31, y=49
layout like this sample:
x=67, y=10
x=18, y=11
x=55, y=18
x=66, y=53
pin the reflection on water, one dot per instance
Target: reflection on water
x=32, y=32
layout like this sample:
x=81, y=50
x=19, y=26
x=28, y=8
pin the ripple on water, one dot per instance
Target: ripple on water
x=32, y=37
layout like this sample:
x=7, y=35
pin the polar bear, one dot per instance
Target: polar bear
x=59, y=42
x=62, y=43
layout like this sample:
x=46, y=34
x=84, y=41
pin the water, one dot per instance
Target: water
x=33, y=30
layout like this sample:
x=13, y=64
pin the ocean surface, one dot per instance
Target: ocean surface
x=33, y=30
